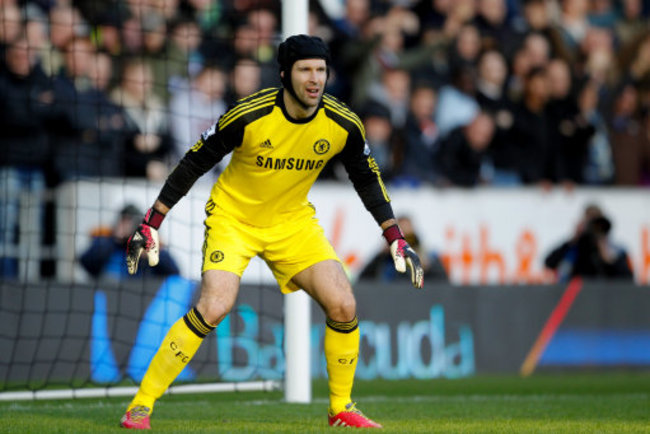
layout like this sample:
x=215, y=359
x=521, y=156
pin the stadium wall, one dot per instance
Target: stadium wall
x=107, y=332
x=484, y=235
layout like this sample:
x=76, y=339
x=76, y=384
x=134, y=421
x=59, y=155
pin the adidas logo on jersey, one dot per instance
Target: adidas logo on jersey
x=266, y=144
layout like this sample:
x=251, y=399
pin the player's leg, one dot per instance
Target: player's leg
x=218, y=294
x=328, y=285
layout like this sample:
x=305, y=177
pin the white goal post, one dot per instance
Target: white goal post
x=105, y=392
x=297, y=306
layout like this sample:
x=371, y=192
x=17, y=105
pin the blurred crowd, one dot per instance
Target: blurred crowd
x=462, y=92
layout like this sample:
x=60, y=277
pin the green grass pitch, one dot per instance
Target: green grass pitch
x=603, y=402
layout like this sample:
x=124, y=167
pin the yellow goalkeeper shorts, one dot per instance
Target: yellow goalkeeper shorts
x=288, y=248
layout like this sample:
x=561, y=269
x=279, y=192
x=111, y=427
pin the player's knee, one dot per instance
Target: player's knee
x=218, y=294
x=344, y=309
x=213, y=310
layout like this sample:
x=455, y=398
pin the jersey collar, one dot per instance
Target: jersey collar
x=280, y=103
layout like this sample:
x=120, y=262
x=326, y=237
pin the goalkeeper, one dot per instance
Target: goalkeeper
x=280, y=140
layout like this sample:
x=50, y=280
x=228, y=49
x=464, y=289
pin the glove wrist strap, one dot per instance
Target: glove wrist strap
x=153, y=218
x=393, y=233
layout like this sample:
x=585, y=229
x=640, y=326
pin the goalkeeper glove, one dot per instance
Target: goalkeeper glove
x=403, y=255
x=144, y=238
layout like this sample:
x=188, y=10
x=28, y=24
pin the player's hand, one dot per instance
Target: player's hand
x=145, y=238
x=404, y=256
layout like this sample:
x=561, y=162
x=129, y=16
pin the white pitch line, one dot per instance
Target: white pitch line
x=25, y=406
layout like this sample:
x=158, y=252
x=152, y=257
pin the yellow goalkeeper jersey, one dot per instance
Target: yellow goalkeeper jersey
x=276, y=159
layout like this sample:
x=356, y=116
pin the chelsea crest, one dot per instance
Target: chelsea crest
x=321, y=146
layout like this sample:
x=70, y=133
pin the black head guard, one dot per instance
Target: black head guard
x=296, y=48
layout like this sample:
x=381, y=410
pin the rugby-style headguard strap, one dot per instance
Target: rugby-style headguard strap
x=296, y=48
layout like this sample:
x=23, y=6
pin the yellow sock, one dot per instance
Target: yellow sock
x=341, y=354
x=175, y=352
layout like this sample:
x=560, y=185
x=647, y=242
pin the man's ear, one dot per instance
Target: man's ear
x=281, y=74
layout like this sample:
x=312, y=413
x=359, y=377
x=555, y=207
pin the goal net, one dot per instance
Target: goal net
x=82, y=340
x=76, y=330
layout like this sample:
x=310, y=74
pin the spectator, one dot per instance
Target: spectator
x=597, y=58
x=10, y=28
x=26, y=109
x=569, y=131
x=640, y=67
x=100, y=71
x=183, y=54
x=599, y=168
x=154, y=52
x=264, y=23
x=354, y=58
x=491, y=97
x=352, y=21
x=149, y=145
x=632, y=24
x=590, y=252
x=207, y=14
x=381, y=268
x=492, y=23
x=380, y=58
x=466, y=48
x=393, y=91
x=89, y=139
x=630, y=144
x=490, y=84
x=106, y=255
x=520, y=67
x=65, y=23
x=36, y=32
x=461, y=12
x=244, y=43
x=573, y=21
x=461, y=154
x=531, y=163
x=457, y=104
x=381, y=138
x=106, y=33
x=245, y=79
x=132, y=36
x=538, y=19
x=420, y=135
x=168, y=8
x=538, y=49
x=194, y=110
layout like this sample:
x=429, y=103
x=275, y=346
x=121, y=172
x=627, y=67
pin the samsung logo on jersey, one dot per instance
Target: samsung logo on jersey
x=289, y=163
